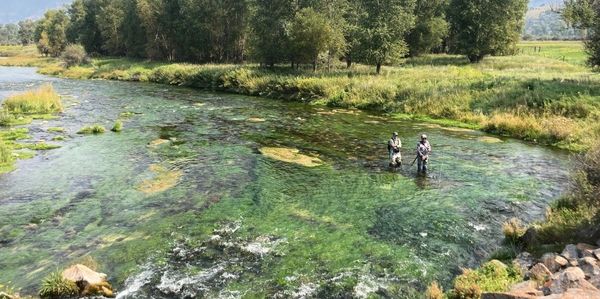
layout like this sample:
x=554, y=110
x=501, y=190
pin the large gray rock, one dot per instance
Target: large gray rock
x=549, y=259
x=595, y=281
x=574, y=294
x=570, y=252
x=540, y=272
x=507, y=296
x=561, y=261
x=589, y=266
x=585, y=249
x=524, y=290
x=570, y=278
x=524, y=260
x=597, y=253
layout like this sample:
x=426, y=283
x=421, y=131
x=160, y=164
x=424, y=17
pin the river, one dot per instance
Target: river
x=182, y=203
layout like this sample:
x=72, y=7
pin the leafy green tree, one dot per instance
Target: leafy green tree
x=9, y=34
x=134, y=35
x=269, y=42
x=352, y=30
x=486, y=27
x=580, y=13
x=84, y=27
x=27, y=32
x=162, y=21
x=311, y=34
x=43, y=44
x=431, y=27
x=110, y=24
x=383, y=28
x=53, y=29
x=220, y=30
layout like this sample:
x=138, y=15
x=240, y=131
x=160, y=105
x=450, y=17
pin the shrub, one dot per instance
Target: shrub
x=93, y=129
x=513, y=230
x=434, y=291
x=55, y=286
x=74, y=55
x=118, y=127
x=40, y=101
x=493, y=276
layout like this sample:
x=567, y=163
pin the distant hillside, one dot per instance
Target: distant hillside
x=13, y=11
x=542, y=22
x=537, y=3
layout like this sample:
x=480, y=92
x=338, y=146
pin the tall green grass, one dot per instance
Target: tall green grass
x=43, y=100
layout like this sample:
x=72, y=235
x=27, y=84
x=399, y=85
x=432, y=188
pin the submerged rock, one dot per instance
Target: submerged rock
x=488, y=139
x=256, y=119
x=290, y=155
x=163, y=179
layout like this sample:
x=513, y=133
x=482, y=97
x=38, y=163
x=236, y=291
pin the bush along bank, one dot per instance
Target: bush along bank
x=532, y=98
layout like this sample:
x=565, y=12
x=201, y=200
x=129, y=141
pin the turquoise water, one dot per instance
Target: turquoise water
x=238, y=224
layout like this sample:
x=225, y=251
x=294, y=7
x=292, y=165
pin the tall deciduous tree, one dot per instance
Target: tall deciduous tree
x=383, y=28
x=27, y=32
x=54, y=25
x=134, y=34
x=431, y=26
x=84, y=27
x=110, y=24
x=486, y=27
x=269, y=43
x=310, y=34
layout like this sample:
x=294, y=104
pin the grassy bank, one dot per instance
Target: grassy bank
x=20, y=109
x=528, y=96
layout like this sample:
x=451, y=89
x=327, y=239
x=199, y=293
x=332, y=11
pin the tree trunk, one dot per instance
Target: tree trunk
x=292, y=64
x=348, y=61
x=475, y=58
x=314, y=64
x=378, y=68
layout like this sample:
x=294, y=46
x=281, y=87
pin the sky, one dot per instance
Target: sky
x=12, y=11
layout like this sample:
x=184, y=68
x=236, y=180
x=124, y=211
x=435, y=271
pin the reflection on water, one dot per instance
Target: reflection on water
x=353, y=223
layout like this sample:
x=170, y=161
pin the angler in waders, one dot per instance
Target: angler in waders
x=423, y=151
x=394, y=146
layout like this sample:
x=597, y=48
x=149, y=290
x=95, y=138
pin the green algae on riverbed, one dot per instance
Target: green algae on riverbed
x=351, y=225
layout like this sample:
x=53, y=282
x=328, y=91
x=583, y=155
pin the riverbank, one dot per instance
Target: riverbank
x=539, y=99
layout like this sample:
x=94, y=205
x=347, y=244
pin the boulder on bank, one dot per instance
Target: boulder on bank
x=570, y=252
x=570, y=278
x=89, y=281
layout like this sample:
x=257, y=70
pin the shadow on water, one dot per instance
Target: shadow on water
x=187, y=166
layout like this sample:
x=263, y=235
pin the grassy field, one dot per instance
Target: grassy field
x=571, y=51
x=548, y=97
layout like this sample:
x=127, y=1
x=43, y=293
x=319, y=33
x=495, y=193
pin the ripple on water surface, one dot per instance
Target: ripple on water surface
x=348, y=223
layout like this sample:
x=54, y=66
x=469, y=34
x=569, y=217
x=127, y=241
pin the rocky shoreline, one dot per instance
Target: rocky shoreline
x=572, y=274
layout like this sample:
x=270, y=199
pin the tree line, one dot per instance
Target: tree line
x=294, y=32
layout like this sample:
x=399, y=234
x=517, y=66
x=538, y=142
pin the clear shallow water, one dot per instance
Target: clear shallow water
x=239, y=224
